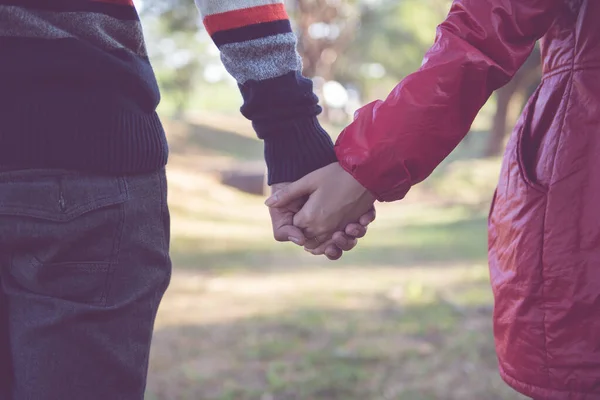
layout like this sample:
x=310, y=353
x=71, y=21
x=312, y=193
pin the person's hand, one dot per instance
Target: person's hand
x=284, y=230
x=343, y=239
x=335, y=199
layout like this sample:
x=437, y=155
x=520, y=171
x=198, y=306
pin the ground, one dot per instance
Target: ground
x=405, y=316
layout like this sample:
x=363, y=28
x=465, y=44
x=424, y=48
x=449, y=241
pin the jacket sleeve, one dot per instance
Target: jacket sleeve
x=258, y=48
x=396, y=143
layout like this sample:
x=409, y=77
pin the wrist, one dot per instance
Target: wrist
x=301, y=147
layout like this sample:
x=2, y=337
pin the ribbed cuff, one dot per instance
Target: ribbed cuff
x=298, y=148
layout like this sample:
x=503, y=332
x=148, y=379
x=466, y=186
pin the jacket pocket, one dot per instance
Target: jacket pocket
x=526, y=149
x=540, y=131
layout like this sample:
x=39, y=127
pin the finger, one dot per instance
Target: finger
x=312, y=230
x=355, y=230
x=368, y=217
x=344, y=242
x=283, y=229
x=333, y=253
x=316, y=242
x=289, y=233
x=291, y=192
x=320, y=249
x=329, y=249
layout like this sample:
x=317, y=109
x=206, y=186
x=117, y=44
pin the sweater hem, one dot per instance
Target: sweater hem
x=93, y=134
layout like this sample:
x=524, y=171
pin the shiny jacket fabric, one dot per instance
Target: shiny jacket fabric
x=544, y=226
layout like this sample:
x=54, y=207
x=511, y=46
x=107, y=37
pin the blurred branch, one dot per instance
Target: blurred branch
x=325, y=29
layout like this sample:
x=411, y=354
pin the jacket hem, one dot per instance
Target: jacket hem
x=540, y=393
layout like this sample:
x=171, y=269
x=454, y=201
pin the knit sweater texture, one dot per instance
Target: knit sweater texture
x=78, y=91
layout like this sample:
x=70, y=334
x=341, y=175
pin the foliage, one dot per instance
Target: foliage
x=393, y=35
x=178, y=47
x=367, y=44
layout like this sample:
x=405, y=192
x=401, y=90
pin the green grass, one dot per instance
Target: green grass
x=464, y=240
x=406, y=316
x=212, y=139
x=360, y=346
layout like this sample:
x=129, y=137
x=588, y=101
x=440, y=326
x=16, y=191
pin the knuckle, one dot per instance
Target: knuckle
x=339, y=241
x=323, y=230
x=310, y=217
x=300, y=221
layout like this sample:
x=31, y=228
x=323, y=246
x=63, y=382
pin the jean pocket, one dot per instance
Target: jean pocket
x=71, y=281
x=58, y=196
x=67, y=231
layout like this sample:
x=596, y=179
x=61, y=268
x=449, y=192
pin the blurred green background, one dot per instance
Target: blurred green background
x=407, y=315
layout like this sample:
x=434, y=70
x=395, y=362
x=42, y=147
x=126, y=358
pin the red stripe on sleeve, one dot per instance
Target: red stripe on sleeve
x=243, y=17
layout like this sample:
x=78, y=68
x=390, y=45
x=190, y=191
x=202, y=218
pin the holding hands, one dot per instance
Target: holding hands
x=326, y=211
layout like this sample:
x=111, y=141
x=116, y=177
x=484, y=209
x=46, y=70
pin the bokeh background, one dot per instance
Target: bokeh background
x=407, y=315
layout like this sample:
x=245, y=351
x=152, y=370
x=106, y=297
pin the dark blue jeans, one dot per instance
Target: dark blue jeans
x=84, y=263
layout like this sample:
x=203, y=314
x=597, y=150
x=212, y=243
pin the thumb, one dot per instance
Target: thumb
x=289, y=193
x=290, y=233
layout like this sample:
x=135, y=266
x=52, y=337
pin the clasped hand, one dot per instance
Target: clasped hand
x=326, y=211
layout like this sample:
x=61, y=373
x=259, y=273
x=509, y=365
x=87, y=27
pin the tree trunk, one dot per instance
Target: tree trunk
x=498, y=132
x=517, y=90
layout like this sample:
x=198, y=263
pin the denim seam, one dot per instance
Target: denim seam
x=117, y=242
x=162, y=181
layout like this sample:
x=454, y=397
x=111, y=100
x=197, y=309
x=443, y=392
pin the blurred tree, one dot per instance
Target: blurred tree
x=177, y=50
x=393, y=37
x=176, y=15
x=358, y=42
x=510, y=100
x=369, y=45
x=355, y=41
x=325, y=29
x=394, y=34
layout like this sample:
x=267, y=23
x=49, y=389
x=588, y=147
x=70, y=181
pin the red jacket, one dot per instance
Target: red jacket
x=544, y=227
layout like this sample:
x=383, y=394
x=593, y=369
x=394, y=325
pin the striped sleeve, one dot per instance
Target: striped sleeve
x=258, y=48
